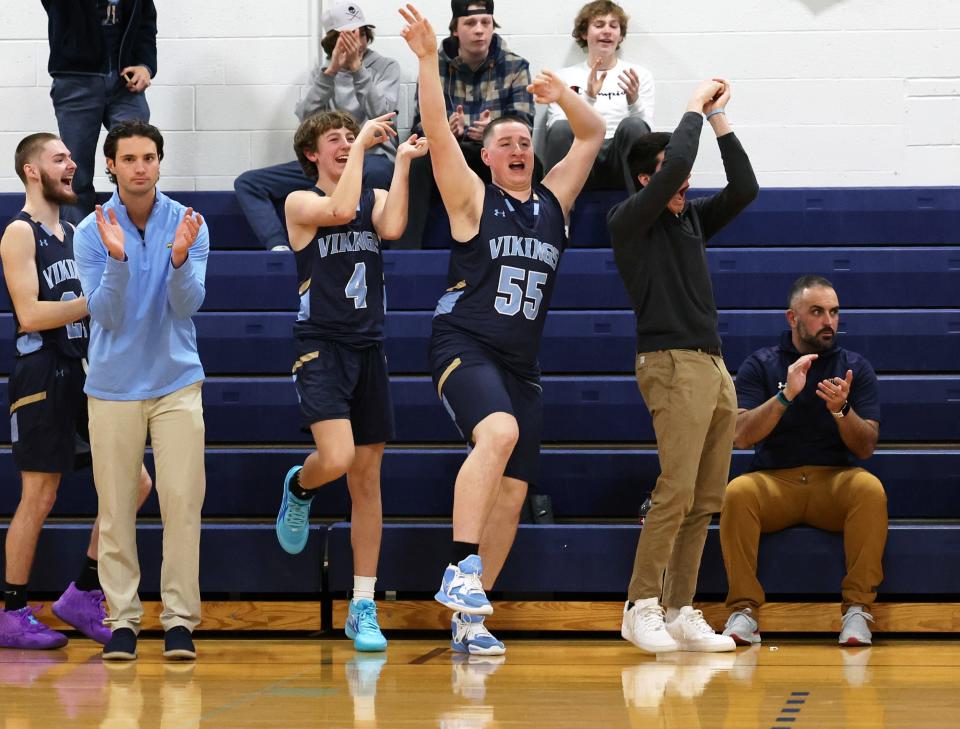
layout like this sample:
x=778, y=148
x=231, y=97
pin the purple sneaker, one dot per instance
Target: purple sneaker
x=85, y=611
x=20, y=629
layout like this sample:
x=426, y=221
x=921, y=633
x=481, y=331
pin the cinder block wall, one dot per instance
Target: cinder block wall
x=826, y=92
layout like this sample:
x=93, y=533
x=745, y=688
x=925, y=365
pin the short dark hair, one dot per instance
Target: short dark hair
x=328, y=41
x=806, y=282
x=28, y=148
x=126, y=130
x=642, y=157
x=596, y=9
x=500, y=121
x=305, y=140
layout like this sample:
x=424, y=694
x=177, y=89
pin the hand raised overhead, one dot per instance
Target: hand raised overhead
x=418, y=33
x=547, y=87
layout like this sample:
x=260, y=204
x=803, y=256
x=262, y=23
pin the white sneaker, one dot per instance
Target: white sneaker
x=644, y=627
x=692, y=633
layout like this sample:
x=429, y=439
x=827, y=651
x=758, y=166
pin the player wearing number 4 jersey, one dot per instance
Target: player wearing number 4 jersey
x=487, y=327
x=335, y=230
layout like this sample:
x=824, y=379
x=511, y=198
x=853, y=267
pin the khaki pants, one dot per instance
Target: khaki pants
x=118, y=434
x=848, y=500
x=691, y=398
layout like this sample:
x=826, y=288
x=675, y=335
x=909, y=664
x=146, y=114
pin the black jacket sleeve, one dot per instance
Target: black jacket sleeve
x=145, y=38
x=741, y=190
x=639, y=211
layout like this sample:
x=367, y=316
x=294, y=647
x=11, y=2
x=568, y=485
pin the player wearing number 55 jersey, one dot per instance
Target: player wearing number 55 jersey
x=335, y=230
x=487, y=326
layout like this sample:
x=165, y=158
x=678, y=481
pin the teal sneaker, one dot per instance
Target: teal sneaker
x=293, y=521
x=362, y=627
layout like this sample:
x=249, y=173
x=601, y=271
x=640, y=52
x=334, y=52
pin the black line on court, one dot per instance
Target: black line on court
x=791, y=709
x=428, y=656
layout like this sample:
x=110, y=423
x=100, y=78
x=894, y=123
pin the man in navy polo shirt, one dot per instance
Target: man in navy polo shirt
x=811, y=408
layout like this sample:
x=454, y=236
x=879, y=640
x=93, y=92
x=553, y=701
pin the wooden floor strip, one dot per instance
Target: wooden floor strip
x=794, y=617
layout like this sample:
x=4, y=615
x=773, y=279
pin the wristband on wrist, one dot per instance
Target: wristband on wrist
x=782, y=399
x=715, y=112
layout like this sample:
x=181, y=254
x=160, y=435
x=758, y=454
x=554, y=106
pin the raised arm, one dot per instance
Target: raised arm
x=568, y=176
x=460, y=188
x=306, y=211
x=390, y=208
x=639, y=211
x=742, y=187
x=18, y=251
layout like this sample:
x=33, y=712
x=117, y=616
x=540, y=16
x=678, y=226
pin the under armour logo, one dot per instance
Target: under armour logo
x=43, y=242
x=499, y=214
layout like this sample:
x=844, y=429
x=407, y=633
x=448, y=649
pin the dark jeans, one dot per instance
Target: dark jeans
x=610, y=170
x=83, y=104
x=424, y=192
x=262, y=192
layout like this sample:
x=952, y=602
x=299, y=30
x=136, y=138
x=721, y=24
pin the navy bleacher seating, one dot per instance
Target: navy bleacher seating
x=893, y=254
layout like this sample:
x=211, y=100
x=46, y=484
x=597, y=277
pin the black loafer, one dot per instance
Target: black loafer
x=122, y=646
x=178, y=644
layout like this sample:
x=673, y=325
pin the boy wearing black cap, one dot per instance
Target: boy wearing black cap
x=482, y=81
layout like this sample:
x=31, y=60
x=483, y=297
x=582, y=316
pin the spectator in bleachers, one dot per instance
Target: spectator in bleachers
x=622, y=92
x=482, y=81
x=356, y=79
x=142, y=260
x=659, y=241
x=48, y=410
x=341, y=377
x=103, y=54
x=487, y=327
x=811, y=408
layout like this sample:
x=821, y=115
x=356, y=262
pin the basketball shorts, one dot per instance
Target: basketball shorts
x=336, y=382
x=48, y=413
x=473, y=384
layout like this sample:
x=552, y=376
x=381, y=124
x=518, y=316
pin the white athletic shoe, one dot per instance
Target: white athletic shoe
x=644, y=627
x=692, y=633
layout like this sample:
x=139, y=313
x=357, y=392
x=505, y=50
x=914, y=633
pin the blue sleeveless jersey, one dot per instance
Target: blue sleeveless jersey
x=341, y=281
x=58, y=279
x=501, y=282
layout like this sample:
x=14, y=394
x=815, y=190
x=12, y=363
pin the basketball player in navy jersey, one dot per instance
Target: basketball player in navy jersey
x=487, y=327
x=335, y=230
x=47, y=405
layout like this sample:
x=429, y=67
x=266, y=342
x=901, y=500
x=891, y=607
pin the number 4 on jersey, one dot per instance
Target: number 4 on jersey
x=356, y=288
x=512, y=293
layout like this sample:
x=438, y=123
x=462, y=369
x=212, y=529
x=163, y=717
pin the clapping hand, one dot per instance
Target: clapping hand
x=185, y=237
x=111, y=233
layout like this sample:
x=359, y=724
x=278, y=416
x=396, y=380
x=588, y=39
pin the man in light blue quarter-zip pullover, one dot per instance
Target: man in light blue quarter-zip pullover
x=142, y=259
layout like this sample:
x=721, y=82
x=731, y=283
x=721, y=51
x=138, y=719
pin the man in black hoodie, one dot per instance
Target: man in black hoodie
x=659, y=243
x=103, y=54
x=482, y=81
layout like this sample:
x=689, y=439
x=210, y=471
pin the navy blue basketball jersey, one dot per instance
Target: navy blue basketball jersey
x=341, y=281
x=501, y=282
x=58, y=279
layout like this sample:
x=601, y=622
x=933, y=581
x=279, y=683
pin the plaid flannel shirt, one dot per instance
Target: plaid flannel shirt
x=499, y=84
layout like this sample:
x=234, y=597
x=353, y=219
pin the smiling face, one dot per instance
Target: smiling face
x=55, y=169
x=136, y=166
x=603, y=36
x=332, y=147
x=508, y=151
